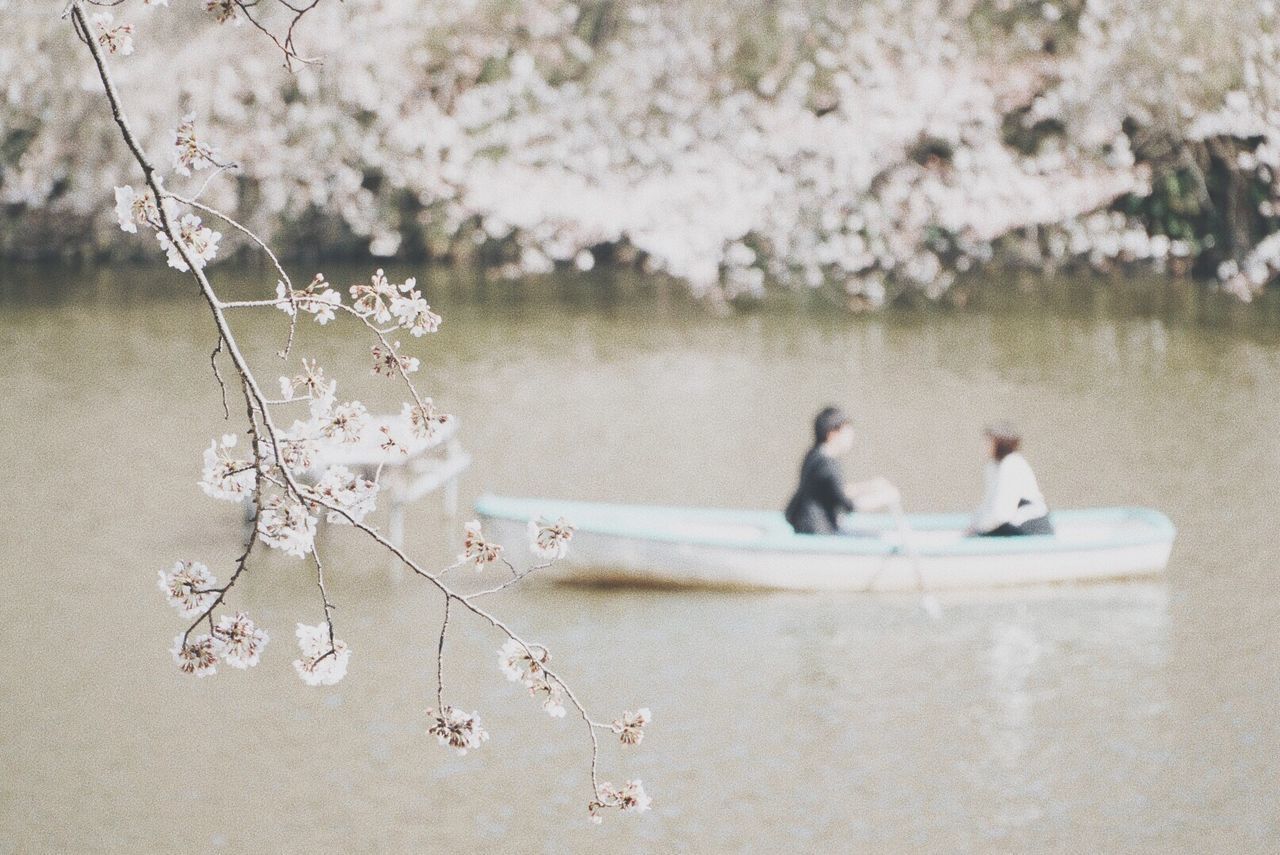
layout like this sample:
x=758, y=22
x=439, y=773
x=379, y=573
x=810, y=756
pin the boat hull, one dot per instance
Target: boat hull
x=704, y=548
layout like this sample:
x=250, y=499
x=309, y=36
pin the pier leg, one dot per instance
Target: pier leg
x=451, y=498
x=395, y=526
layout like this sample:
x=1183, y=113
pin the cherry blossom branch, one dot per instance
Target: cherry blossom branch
x=379, y=334
x=284, y=521
x=275, y=261
x=225, y=10
x=250, y=541
x=488, y=617
x=197, y=271
x=247, y=232
x=292, y=302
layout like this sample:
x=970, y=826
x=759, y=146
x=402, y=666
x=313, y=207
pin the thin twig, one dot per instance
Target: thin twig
x=213, y=361
x=516, y=577
x=324, y=595
x=444, y=628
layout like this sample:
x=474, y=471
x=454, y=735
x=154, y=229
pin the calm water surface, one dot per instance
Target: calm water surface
x=1126, y=717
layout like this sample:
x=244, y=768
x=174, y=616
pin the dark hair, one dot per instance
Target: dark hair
x=1006, y=440
x=827, y=422
x=1005, y=445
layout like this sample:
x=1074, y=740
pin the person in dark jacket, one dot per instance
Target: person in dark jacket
x=822, y=498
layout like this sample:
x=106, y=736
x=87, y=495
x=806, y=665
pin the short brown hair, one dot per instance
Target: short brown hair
x=1006, y=439
x=1005, y=445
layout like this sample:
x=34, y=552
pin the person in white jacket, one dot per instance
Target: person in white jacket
x=1012, y=503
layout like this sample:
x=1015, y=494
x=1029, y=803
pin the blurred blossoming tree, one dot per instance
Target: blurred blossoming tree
x=867, y=146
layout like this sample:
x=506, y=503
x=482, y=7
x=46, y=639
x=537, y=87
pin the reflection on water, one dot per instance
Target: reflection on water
x=1014, y=650
x=1116, y=718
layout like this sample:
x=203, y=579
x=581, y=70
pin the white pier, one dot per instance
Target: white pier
x=404, y=476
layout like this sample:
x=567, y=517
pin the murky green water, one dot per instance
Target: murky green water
x=1125, y=717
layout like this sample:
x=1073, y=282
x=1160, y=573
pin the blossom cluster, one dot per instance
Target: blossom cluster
x=629, y=798
x=188, y=587
x=234, y=639
x=347, y=496
x=323, y=660
x=455, y=729
x=238, y=641
x=476, y=550
x=526, y=664
x=630, y=726
x=382, y=301
x=317, y=299
x=550, y=540
x=422, y=419
x=284, y=523
x=114, y=38
x=226, y=476
x=190, y=151
x=390, y=362
x=194, y=243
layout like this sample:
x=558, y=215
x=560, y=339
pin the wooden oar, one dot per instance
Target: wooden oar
x=928, y=601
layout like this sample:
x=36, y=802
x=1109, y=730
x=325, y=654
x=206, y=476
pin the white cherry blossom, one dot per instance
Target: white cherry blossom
x=199, y=241
x=343, y=489
x=388, y=361
x=115, y=38
x=189, y=151
x=550, y=540
x=238, y=641
x=224, y=476
x=317, y=299
x=527, y=666
x=630, y=727
x=345, y=423
x=523, y=664
x=322, y=663
x=287, y=515
x=299, y=446
x=550, y=694
x=197, y=656
x=412, y=311
x=223, y=11
x=422, y=420
x=374, y=300
x=455, y=729
x=393, y=439
x=186, y=587
x=630, y=798
x=311, y=383
x=134, y=209
x=284, y=524
x=476, y=550
x=857, y=151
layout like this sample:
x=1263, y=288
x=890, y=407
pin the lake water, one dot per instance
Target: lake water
x=1123, y=717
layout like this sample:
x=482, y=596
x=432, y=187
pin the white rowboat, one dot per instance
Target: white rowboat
x=723, y=548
